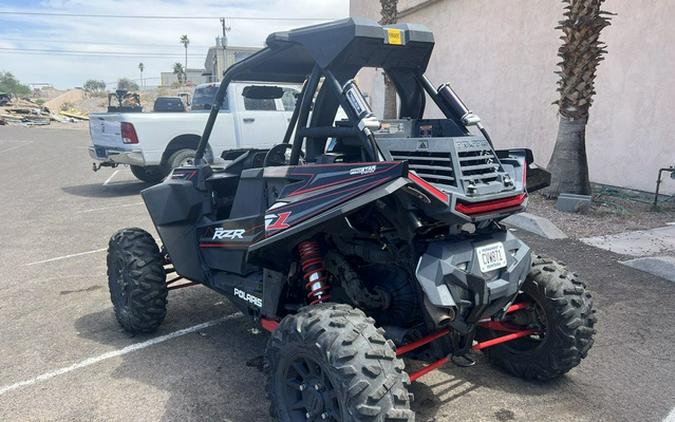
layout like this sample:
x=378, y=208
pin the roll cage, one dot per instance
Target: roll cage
x=326, y=57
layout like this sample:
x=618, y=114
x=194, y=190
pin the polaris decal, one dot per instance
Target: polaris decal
x=222, y=233
x=248, y=297
x=362, y=170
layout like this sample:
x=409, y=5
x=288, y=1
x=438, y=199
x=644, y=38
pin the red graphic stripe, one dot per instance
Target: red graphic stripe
x=428, y=187
x=488, y=206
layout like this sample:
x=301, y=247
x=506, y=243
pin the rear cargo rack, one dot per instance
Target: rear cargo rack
x=466, y=163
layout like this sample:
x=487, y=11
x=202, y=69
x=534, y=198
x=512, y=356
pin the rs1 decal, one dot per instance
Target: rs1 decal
x=277, y=221
x=248, y=297
x=222, y=233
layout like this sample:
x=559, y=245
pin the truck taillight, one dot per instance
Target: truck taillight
x=129, y=133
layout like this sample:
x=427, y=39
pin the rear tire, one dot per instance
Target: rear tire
x=348, y=371
x=153, y=174
x=562, y=302
x=137, y=280
x=179, y=158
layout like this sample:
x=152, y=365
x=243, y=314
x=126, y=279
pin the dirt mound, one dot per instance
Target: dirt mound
x=69, y=98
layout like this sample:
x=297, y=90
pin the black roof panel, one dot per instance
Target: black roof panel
x=350, y=43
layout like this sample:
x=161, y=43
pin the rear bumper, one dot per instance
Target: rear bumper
x=117, y=155
x=450, y=276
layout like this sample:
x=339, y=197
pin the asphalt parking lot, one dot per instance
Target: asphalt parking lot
x=63, y=356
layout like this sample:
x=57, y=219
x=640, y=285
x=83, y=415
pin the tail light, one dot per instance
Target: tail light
x=468, y=208
x=129, y=133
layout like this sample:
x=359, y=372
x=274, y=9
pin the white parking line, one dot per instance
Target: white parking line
x=671, y=416
x=110, y=208
x=115, y=353
x=23, y=144
x=58, y=258
x=111, y=177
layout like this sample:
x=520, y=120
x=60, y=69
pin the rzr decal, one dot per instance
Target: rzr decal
x=222, y=233
x=231, y=234
x=277, y=221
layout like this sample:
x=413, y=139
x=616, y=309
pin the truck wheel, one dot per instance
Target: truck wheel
x=328, y=362
x=562, y=309
x=137, y=280
x=180, y=158
x=152, y=174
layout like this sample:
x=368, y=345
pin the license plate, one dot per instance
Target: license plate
x=100, y=152
x=491, y=257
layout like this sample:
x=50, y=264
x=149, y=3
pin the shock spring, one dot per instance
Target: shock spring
x=316, y=280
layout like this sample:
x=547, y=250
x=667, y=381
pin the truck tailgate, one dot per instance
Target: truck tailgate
x=105, y=130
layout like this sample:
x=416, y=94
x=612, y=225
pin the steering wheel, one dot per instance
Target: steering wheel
x=276, y=156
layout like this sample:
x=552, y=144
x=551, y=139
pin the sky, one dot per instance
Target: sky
x=65, y=51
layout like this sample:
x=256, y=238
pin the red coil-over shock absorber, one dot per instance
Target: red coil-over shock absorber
x=315, y=273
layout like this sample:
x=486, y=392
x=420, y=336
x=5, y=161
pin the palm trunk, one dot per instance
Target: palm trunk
x=568, y=164
x=390, y=109
x=389, y=15
x=185, y=71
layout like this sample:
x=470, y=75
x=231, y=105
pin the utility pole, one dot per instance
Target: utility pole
x=226, y=29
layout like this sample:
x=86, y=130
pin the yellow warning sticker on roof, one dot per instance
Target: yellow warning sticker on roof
x=394, y=36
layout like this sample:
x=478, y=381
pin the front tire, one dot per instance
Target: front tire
x=328, y=362
x=563, y=309
x=137, y=280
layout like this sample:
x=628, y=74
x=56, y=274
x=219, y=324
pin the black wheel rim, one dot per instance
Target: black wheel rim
x=309, y=394
x=118, y=284
x=533, y=317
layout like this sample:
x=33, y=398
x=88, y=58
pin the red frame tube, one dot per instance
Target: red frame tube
x=517, y=307
x=440, y=362
x=502, y=339
x=400, y=351
x=269, y=324
x=515, y=333
x=501, y=326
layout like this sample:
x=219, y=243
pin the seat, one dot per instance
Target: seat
x=242, y=159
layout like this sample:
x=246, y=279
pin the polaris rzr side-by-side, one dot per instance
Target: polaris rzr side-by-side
x=359, y=241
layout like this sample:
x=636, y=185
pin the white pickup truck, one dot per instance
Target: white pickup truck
x=154, y=143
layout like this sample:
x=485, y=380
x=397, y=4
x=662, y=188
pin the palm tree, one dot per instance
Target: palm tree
x=581, y=52
x=179, y=71
x=185, y=41
x=141, y=67
x=389, y=15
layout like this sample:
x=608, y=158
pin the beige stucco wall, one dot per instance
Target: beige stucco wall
x=500, y=56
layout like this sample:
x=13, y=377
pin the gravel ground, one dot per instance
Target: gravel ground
x=612, y=212
x=63, y=356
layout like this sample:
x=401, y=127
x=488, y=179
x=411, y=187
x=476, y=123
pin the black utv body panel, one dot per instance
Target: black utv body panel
x=175, y=206
x=468, y=290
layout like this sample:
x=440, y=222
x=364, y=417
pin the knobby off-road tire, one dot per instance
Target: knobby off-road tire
x=137, y=280
x=566, y=309
x=337, y=349
x=153, y=174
